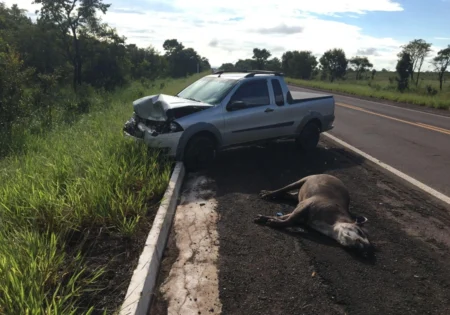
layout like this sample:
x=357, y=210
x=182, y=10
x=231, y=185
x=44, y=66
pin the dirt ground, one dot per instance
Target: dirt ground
x=268, y=271
x=119, y=256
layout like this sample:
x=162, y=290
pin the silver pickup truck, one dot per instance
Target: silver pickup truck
x=228, y=109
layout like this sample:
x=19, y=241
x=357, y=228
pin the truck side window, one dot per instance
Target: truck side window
x=253, y=93
x=278, y=92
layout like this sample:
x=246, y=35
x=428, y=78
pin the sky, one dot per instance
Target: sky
x=228, y=30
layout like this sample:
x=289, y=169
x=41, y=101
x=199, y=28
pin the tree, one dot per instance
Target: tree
x=299, y=64
x=334, y=63
x=35, y=43
x=204, y=64
x=70, y=20
x=361, y=65
x=146, y=62
x=183, y=61
x=374, y=72
x=227, y=67
x=440, y=63
x=68, y=45
x=108, y=63
x=404, y=69
x=172, y=46
x=418, y=50
x=244, y=64
x=260, y=56
x=274, y=64
x=13, y=80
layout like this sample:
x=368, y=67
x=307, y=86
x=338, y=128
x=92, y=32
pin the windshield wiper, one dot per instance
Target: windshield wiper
x=192, y=99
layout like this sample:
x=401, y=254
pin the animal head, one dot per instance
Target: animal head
x=352, y=235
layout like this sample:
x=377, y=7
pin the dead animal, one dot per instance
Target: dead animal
x=323, y=205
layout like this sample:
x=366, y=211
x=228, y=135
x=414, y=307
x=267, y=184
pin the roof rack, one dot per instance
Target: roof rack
x=251, y=73
x=226, y=71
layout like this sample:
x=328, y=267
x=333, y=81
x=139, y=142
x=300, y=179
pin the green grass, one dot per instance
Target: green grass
x=84, y=177
x=382, y=88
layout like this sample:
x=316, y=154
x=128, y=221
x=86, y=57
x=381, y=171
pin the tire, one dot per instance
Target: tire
x=309, y=137
x=200, y=152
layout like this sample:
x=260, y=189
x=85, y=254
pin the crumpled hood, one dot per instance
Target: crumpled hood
x=159, y=107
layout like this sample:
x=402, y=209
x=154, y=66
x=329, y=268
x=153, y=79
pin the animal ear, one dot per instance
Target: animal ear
x=360, y=220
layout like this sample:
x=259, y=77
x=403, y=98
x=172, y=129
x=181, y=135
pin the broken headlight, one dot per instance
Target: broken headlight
x=131, y=127
x=175, y=127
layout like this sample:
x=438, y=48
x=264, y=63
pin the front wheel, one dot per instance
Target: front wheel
x=200, y=153
x=309, y=137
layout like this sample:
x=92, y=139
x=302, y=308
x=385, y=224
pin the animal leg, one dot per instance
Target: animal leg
x=299, y=215
x=265, y=194
x=272, y=221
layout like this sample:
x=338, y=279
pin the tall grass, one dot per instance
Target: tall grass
x=77, y=179
x=383, y=89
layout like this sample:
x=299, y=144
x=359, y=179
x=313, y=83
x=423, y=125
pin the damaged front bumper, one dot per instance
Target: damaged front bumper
x=164, y=136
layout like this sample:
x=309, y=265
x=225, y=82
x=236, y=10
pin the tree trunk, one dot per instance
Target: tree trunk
x=77, y=60
x=79, y=66
x=75, y=72
x=441, y=77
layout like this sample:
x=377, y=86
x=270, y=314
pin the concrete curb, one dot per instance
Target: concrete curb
x=389, y=168
x=140, y=290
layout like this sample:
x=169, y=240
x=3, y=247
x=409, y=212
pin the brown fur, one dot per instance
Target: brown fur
x=323, y=205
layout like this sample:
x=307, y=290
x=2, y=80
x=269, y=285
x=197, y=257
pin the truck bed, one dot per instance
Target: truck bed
x=306, y=96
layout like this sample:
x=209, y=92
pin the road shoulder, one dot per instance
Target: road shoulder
x=267, y=271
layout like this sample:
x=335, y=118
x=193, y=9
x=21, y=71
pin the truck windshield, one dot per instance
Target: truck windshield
x=210, y=90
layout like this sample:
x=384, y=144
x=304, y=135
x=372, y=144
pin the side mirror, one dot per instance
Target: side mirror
x=236, y=105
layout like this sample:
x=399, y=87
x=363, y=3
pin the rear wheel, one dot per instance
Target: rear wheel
x=200, y=152
x=309, y=137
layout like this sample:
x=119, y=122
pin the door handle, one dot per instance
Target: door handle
x=268, y=110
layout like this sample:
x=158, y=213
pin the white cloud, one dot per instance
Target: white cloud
x=23, y=4
x=235, y=27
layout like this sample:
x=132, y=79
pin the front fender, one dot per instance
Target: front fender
x=192, y=131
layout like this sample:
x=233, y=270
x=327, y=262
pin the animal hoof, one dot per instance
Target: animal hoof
x=260, y=219
x=264, y=194
x=360, y=220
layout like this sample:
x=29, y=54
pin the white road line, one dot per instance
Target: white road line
x=400, y=174
x=192, y=286
x=377, y=103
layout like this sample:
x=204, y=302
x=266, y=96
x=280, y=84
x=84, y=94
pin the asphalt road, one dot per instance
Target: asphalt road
x=412, y=141
x=267, y=271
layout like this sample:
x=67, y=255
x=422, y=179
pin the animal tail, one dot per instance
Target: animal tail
x=292, y=186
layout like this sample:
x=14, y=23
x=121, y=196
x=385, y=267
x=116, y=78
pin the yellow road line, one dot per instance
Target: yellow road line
x=417, y=124
x=434, y=127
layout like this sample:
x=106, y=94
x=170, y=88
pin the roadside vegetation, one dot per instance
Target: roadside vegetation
x=73, y=192
x=76, y=198
x=335, y=72
x=67, y=63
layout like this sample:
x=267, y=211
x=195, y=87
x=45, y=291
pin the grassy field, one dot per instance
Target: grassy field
x=383, y=86
x=66, y=196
